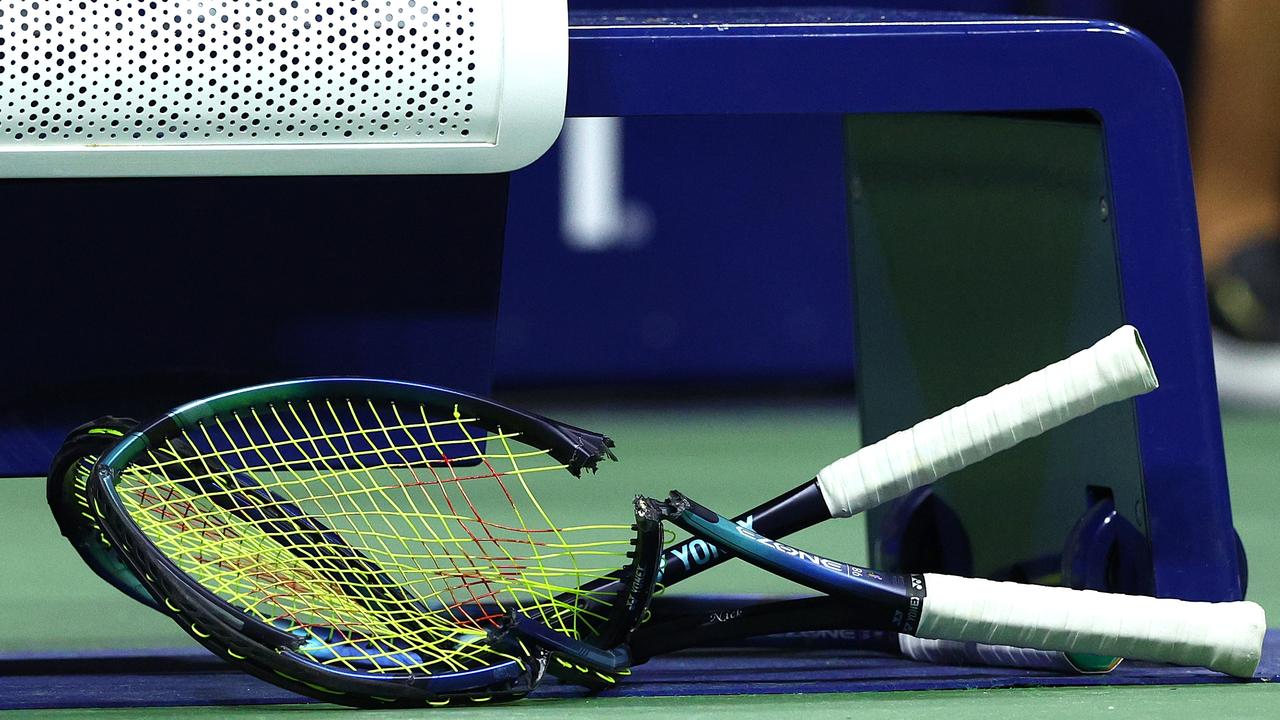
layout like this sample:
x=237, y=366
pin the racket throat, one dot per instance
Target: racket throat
x=598, y=661
x=569, y=659
x=796, y=510
x=884, y=601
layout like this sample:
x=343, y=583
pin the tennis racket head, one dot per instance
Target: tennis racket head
x=363, y=541
x=67, y=494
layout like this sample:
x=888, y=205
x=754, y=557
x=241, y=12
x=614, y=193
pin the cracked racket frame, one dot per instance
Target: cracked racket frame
x=359, y=541
x=232, y=506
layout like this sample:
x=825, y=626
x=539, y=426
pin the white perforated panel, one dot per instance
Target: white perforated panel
x=276, y=74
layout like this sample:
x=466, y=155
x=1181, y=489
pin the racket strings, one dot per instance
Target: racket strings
x=390, y=539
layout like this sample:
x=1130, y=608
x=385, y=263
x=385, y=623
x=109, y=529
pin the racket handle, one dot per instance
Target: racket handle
x=1114, y=369
x=954, y=652
x=1226, y=637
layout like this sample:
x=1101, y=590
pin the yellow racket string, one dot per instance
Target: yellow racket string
x=389, y=540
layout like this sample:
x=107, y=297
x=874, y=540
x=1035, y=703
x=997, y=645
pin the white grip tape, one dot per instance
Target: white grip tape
x=1226, y=637
x=1114, y=369
x=954, y=652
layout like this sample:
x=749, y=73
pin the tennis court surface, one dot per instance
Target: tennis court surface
x=72, y=645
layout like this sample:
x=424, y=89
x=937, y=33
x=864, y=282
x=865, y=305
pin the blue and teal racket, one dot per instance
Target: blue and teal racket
x=382, y=543
x=1225, y=636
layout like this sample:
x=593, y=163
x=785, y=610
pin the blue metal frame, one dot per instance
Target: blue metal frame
x=839, y=61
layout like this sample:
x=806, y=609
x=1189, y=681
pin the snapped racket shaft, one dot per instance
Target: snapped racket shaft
x=1115, y=368
x=1226, y=637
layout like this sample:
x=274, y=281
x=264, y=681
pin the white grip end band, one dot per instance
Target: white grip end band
x=1226, y=637
x=1114, y=369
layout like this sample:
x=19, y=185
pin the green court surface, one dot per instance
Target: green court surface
x=722, y=454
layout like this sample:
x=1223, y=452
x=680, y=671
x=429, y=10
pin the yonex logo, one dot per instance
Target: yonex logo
x=700, y=552
x=850, y=570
